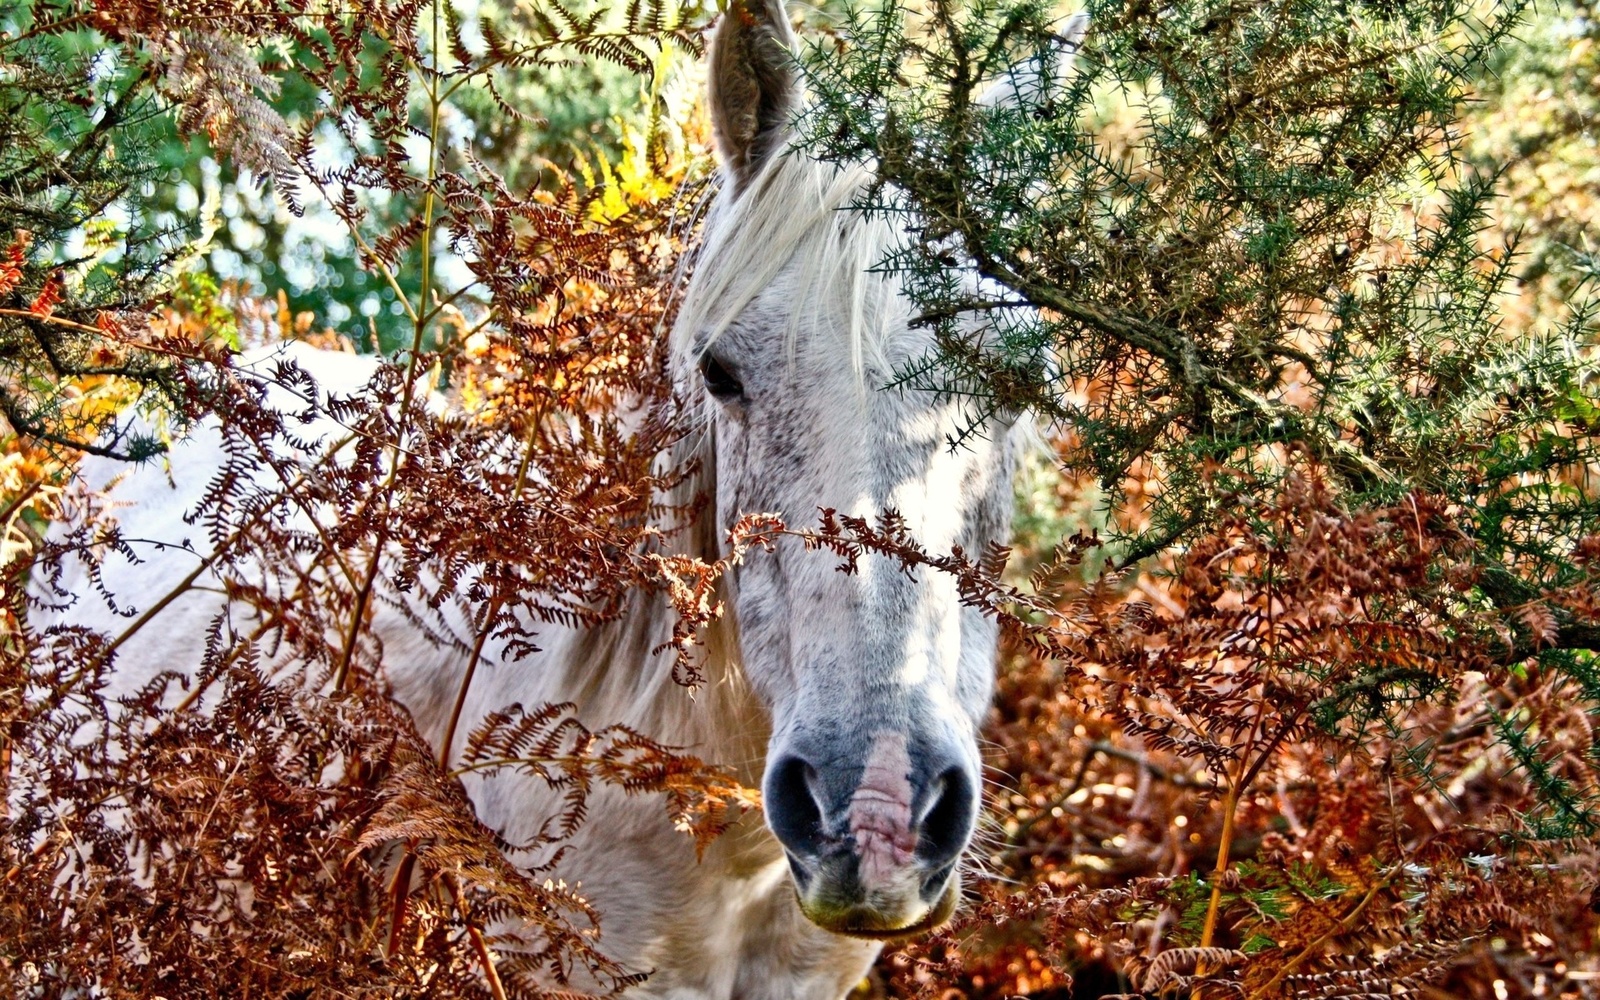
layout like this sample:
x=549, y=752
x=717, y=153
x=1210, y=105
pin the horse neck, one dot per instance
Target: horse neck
x=622, y=671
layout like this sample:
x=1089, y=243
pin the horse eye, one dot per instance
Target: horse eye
x=719, y=381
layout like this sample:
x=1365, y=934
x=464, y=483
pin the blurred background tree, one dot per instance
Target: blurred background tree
x=575, y=113
x=1533, y=118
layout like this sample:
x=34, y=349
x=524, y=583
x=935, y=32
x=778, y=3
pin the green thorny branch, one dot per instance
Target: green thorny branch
x=1243, y=238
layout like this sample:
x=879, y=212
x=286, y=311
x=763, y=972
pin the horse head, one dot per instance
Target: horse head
x=878, y=680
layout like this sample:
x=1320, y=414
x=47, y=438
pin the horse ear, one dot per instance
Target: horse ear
x=1032, y=84
x=753, y=84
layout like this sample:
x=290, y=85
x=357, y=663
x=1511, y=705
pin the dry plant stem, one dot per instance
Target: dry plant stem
x=5, y=779
x=440, y=305
x=555, y=762
x=479, y=945
x=358, y=613
x=466, y=684
x=205, y=824
x=52, y=320
x=19, y=500
x=488, y=623
x=482, y=948
x=1236, y=788
x=48, y=27
x=1343, y=925
x=399, y=892
x=205, y=564
x=173, y=594
x=408, y=861
x=1230, y=808
x=535, y=50
x=1230, y=805
x=420, y=326
x=193, y=696
x=368, y=254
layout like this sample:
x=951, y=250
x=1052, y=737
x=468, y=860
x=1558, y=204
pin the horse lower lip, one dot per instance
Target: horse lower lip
x=927, y=923
x=852, y=924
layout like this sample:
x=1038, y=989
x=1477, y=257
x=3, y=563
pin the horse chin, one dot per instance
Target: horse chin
x=868, y=923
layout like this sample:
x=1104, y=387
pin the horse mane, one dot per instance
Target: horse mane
x=805, y=217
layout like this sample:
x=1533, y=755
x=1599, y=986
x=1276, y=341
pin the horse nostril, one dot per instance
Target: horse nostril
x=793, y=809
x=948, y=823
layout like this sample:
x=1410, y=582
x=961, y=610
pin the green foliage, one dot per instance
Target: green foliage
x=80, y=131
x=197, y=296
x=1565, y=811
x=1234, y=249
x=1276, y=247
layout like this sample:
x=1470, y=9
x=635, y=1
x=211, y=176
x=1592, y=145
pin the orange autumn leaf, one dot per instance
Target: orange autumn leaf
x=48, y=298
x=11, y=260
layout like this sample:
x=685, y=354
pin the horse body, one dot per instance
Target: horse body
x=724, y=925
x=721, y=926
x=853, y=700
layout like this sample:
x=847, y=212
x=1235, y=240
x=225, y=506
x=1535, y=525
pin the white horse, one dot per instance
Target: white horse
x=854, y=700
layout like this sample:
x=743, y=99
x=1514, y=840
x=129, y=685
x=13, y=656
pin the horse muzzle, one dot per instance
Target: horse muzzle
x=873, y=847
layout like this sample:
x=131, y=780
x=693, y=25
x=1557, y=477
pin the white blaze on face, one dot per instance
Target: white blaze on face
x=880, y=813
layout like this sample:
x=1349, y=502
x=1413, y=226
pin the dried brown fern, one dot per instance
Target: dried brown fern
x=273, y=825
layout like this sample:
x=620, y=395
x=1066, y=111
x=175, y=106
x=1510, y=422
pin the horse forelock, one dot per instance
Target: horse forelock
x=801, y=219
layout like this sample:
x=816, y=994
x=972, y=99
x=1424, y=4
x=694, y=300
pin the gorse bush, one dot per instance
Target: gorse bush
x=1272, y=245
x=1298, y=692
x=77, y=141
